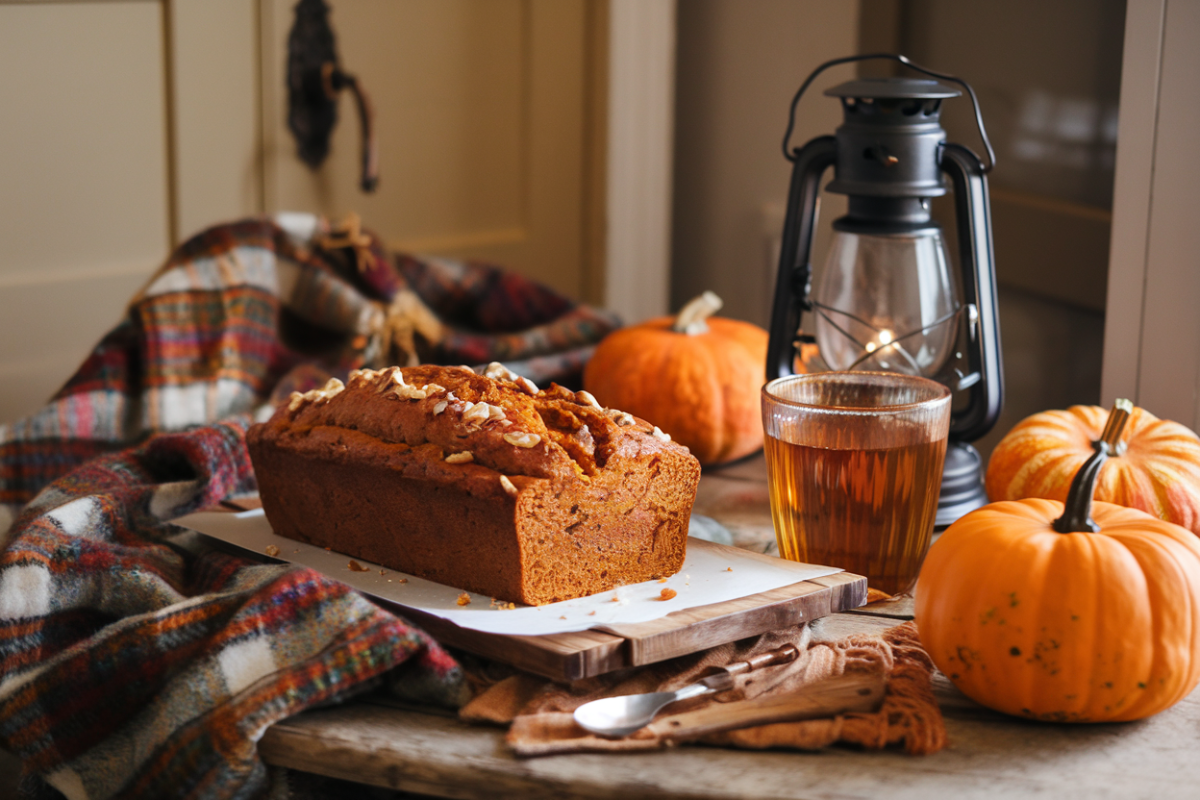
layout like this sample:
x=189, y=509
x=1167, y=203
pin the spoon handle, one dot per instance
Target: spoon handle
x=723, y=680
x=782, y=655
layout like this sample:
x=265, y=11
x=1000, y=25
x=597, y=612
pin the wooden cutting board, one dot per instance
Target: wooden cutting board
x=584, y=654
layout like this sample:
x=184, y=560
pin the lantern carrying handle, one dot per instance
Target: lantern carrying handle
x=787, y=136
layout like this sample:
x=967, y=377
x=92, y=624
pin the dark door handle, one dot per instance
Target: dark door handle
x=314, y=82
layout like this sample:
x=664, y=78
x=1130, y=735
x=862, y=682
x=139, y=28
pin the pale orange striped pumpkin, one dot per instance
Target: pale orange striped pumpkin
x=1157, y=472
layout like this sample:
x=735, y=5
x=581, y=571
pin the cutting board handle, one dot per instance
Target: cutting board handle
x=841, y=695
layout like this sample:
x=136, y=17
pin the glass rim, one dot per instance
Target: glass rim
x=944, y=393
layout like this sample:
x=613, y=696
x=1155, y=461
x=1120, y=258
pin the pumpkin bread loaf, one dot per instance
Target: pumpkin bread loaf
x=481, y=482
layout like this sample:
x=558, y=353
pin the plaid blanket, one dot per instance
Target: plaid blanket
x=137, y=661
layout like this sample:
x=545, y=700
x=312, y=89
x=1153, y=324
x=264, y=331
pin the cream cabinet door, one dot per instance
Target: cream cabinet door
x=85, y=202
x=484, y=109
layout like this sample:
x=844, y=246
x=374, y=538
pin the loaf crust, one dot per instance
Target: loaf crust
x=558, y=497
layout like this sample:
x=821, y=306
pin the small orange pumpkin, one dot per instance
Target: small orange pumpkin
x=1156, y=467
x=1032, y=608
x=695, y=376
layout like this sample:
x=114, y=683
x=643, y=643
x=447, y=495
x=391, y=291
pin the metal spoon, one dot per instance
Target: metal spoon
x=620, y=716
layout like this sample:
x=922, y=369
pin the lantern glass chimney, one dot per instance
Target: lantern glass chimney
x=886, y=301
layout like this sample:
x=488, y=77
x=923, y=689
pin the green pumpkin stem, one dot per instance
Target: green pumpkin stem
x=691, y=317
x=1077, y=515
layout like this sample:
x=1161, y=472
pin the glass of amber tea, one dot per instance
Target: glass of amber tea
x=854, y=461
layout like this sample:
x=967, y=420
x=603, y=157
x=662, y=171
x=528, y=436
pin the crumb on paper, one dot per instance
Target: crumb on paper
x=357, y=567
x=729, y=569
x=271, y=550
x=667, y=594
x=383, y=572
x=564, y=616
x=464, y=599
x=592, y=613
x=404, y=580
x=328, y=549
x=501, y=605
x=297, y=550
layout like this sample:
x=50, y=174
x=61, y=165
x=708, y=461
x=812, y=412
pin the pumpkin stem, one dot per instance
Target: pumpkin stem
x=691, y=317
x=1077, y=515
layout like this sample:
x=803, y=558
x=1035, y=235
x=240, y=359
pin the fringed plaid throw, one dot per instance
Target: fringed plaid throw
x=134, y=660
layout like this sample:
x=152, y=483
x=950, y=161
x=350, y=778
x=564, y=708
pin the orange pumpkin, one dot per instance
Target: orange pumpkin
x=1156, y=467
x=695, y=376
x=1031, y=612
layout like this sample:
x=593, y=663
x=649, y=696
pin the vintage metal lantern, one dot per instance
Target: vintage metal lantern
x=888, y=298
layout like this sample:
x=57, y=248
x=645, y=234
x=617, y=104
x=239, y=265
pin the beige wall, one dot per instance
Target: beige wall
x=739, y=63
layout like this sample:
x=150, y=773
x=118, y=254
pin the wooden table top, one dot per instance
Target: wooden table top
x=989, y=755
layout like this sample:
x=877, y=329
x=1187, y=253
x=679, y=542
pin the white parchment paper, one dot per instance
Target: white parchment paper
x=710, y=574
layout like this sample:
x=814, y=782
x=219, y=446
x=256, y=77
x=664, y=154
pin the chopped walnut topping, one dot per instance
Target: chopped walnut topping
x=357, y=567
x=464, y=599
x=271, y=550
x=386, y=376
x=495, y=412
x=439, y=407
x=476, y=412
x=331, y=389
x=622, y=418
x=402, y=390
x=508, y=486
x=667, y=594
x=363, y=375
x=527, y=386
x=525, y=440
x=588, y=399
x=497, y=371
x=432, y=388
x=662, y=437
x=464, y=457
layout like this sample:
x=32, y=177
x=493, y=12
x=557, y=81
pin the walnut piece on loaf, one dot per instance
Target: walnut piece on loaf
x=556, y=498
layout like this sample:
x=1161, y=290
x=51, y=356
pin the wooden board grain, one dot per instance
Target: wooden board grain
x=699, y=628
x=585, y=654
x=560, y=656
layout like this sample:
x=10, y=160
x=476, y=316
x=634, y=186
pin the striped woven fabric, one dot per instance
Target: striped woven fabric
x=134, y=660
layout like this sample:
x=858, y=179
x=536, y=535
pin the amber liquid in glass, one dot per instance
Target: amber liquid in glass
x=869, y=512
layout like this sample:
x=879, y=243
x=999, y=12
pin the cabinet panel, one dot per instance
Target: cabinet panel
x=84, y=193
x=480, y=112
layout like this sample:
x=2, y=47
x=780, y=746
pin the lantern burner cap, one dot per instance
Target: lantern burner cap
x=893, y=89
